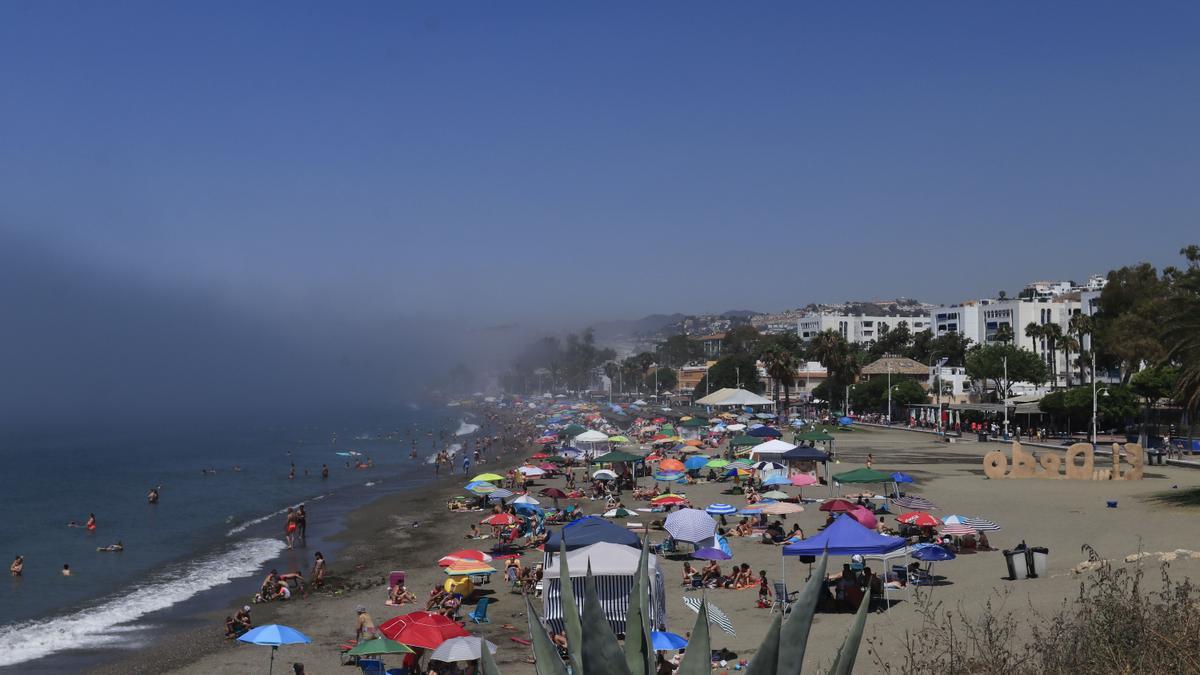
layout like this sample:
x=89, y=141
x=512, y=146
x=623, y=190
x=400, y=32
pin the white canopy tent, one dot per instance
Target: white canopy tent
x=614, y=567
x=733, y=397
x=771, y=447
x=593, y=443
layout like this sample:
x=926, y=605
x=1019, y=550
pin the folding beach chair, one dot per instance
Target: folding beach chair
x=479, y=615
x=783, y=600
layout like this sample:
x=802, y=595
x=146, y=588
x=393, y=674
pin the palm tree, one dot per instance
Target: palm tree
x=1080, y=326
x=1069, y=344
x=1004, y=333
x=1054, y=335
x=781, y=365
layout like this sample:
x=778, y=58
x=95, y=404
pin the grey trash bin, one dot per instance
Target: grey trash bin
x=1017, y=562
x=1037, y=557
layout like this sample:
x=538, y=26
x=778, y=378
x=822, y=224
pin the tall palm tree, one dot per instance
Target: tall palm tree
x=781, y=365
x=1069, y=344
x=1080, y=325
x=1181, y=337
x=1054, y=335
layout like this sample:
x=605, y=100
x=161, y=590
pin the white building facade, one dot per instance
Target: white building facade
x=857, y=328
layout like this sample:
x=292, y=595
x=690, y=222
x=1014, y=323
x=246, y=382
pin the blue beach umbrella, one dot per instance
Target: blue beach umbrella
x=901, y=477
x=845, y=421
x=933, y=554
x=719, y=509
x=695, y=462
x=501, y=493
x=668, y=475
x=273, y=635
x=777, y=480
x=664, y=641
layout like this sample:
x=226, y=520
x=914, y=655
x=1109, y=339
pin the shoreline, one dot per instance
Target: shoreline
x=371, y=540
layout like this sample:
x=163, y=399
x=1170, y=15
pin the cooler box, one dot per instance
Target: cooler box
x=1018, y=563
x=1037, y=556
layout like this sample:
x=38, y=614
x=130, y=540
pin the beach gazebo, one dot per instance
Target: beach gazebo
x=614, y=568
x=592, y=442
x=734, y=398
x=844, y=537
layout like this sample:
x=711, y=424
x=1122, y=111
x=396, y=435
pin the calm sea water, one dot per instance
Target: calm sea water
x=206, y=530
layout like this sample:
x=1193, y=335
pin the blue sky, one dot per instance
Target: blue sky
x=540, y=161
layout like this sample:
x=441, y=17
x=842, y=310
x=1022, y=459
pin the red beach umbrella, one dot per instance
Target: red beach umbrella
x=919, y=519
x=500, y=519
x=421, y=629
x=553, y=493
x=465, y=554
x=838, y=505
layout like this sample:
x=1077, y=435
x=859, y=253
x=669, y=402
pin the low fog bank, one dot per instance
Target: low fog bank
x=82, y=344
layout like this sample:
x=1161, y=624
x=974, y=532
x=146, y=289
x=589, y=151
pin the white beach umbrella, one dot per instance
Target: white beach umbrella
x=461, y=649
x=525, y=499
x=604, y=474
x=531, y=471
x=690, y=525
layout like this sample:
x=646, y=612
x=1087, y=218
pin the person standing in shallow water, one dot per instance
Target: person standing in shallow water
x=324, y=471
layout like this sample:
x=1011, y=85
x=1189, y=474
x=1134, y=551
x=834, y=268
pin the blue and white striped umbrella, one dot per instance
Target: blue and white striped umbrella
x=715, y=615
x=767, y=466
x=977, y=524
x=690, y=525
x=915, y=503
x=499, y=493
x=719, y=509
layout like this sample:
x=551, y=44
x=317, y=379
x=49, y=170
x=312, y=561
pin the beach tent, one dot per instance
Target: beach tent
x=617, y=456
x=590, y=530
x=733, y=397
x=764, y=432
x=863, y=475
x=845, y=537
x=805, y=454
x=614, y=569
x=591, y=436
x=744, y=440
x=772, y=447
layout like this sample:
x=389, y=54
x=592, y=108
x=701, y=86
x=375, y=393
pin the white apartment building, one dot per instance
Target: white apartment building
x=857, y=328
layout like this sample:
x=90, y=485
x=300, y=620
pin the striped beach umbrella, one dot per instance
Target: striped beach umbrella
x=781, y=508
x=465, y=555
x=690, y=525
x=669, y=500
x=668, y=476
x=720, y=509
x=468, y=567
x=978, y=524
x=914, y=503
x=499, y=494
x=715, y=615
x=774, y=494
x=958, y=530
x=767, y=466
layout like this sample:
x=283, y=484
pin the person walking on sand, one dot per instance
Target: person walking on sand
x=289, y=527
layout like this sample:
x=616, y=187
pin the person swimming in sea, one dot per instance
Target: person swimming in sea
x=152, y=496
x=17, y=566
x=66, y=571
x=324, y=471
x=112, y=548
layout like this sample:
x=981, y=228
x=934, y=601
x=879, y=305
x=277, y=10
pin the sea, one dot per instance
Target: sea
x=207, y=543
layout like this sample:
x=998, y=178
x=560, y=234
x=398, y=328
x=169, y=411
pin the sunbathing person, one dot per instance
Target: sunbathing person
x=743, y=577
x=743, y=529
x=711, y=573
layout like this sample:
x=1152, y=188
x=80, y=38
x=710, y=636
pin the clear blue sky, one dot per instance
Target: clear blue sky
x=600, y=159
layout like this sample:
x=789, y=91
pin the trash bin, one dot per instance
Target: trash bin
x=1037, y=557
x=1018, y=562
x=983, y=437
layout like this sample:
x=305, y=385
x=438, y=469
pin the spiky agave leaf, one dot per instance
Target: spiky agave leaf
x=545, y=653
x=698, y=658
x=793, y=634
x=566, y=591
x=848, y=652
x=766, y=659
x=639, y=652
x=601, y=651
x=487, y=664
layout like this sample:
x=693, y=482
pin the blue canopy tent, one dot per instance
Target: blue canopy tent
x=845, y=536
x=764, y=432
x=590, y=530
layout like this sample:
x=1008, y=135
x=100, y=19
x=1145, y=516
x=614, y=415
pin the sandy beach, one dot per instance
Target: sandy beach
x=1061, y=515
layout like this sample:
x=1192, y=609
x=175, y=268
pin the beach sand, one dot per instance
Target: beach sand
x=1061, y=515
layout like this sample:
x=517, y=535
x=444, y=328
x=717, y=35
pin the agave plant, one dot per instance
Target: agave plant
x=593, y=649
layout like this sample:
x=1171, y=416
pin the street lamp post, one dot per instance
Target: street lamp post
x=1004, y=398
x=889, y=394
x=1094, y=440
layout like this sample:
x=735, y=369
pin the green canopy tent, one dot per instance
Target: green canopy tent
x=738, y=441
x=573, y=430
x=617, y=456
x=815, y=436
x=864, y=475
x=695, y=422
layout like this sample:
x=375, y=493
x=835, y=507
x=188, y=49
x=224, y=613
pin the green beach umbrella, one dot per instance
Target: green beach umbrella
x=487, y=477
x=717, y=463
x=618, y=439
x=863, y=475
x=574, y=430
x=379, y=646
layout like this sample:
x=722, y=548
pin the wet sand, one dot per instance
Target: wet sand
x=1061, y=515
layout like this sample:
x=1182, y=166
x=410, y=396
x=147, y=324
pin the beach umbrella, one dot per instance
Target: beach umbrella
x=901, y=477
x=532, y=470
x=525, y=499
x=864, y=516
x=465, y=555
x=605, y=474
x=547, y=439
x=500, y=520
x=487, y=478
x=669, y=500
x=958, y=530
x=570, y=452
x=736, y=427
x=804, y=479
x=618, y=439
x=553, y=493
x=526, y=509
x=497, y=495
x=978, y=524
x=462, y=649
x=716, y=464
x=690, y=525
x=273, y=635
x=671, y=465
x=619, y=512
x=914, y=503
x=426, y=630
x=774, y=494
x=933, y=554
x=744, y=462
x=777, y=480
x=767, y=466
x=715, y=615
x=480, y=488
x=919, y=519
x=845, y=421
x=710, y=554
x=738, y=471
x=378, y=647
x=719, y=509
x=837, y=505
x=780, y=508
x=464, y=568
x=663, y=641
x=695, y=462
x=668, y=476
